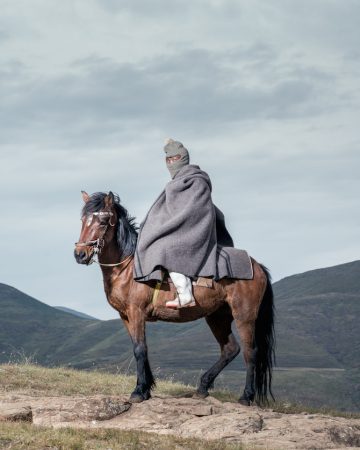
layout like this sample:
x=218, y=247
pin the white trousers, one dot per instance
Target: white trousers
x=183, y=286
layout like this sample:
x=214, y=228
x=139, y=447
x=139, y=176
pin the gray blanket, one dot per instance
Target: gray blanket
x=185, y=232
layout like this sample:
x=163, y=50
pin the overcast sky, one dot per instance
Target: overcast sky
x=264, y=94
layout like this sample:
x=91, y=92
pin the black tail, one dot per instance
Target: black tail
x=265, y=344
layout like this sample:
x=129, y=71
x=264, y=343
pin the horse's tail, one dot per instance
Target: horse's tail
x=265, y=343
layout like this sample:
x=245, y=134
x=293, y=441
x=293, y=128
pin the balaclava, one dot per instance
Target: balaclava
x=173, y=148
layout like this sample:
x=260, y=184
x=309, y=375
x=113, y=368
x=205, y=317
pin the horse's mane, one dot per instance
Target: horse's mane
x=126, y=228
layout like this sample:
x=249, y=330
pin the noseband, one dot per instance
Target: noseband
x=98, y=244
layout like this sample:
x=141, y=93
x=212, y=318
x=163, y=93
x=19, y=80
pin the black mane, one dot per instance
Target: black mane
x=126, y=228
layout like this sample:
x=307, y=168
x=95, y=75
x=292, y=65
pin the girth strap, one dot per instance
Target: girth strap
x=156, y=291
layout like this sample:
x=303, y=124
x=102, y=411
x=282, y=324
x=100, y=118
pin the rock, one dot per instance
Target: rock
x=15, y=413
x=188, y=417
x=101, y=409
x=80, y=410
x=345, y=436
x=203, y=410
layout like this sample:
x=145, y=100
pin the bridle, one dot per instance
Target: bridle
x=98, y=244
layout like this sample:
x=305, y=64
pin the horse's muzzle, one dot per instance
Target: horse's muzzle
x=82, y=256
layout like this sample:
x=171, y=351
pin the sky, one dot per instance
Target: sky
x=264, y=94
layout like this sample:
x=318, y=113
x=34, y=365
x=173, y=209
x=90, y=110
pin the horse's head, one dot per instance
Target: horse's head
x=99, y=217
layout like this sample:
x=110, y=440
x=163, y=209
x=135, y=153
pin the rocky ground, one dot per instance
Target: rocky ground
x=186, y=417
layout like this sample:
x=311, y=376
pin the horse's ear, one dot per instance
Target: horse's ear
x=85, y=196
x=109, y=200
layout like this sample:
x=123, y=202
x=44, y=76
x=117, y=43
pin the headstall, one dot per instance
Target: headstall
x=98, y=244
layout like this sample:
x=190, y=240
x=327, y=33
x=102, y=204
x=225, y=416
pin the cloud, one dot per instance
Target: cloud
x=98, y=99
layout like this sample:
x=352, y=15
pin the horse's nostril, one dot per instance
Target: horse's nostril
x=80, y=255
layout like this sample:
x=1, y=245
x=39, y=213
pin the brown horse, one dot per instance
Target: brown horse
x=109, y=231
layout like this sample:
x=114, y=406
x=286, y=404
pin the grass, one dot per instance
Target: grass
x=25, y=436
x=38, y=381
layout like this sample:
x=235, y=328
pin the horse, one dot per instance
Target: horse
x=110, y=232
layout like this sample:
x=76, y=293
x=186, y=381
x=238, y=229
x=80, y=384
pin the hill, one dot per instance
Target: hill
x=53, y=337
x=321, y=308
x=318, y=349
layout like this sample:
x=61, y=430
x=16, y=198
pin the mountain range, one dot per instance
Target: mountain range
x=317, y=328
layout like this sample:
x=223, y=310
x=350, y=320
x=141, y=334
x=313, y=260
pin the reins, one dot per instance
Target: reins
x=115, y=264
x=98, y=244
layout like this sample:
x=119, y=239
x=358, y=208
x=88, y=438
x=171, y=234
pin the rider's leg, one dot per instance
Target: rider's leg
x=183, y=286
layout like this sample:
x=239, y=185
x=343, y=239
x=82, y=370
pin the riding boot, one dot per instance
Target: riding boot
x=183, y=287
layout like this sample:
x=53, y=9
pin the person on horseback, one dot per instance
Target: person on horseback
x=182, y=231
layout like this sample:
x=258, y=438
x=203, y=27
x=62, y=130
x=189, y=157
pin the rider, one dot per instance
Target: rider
x=182, y=229
x=177, y=157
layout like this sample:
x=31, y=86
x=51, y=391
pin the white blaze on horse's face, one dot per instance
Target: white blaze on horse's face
x=92, y=237
x=89, y=220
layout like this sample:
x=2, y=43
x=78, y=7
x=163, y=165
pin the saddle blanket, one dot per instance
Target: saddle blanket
x=231, y=261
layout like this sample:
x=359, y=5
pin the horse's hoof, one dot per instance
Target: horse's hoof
x=244, y=401
x=136, y=398
x=201, y=394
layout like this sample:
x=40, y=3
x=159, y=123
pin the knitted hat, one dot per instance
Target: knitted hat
x=174, y=148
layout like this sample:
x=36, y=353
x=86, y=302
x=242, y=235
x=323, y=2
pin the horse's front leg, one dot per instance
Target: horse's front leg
x=135, y=324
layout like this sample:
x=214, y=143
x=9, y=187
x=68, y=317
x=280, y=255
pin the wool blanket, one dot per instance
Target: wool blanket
x=185, y=232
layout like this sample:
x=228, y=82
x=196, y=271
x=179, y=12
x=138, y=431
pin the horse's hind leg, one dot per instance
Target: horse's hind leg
x=220, y=325
x=247, y=332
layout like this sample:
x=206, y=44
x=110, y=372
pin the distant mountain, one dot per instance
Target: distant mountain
x=318, y=317
x=317, y=324
x=51, y=336
x=75, y=313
